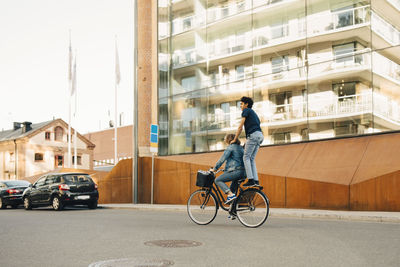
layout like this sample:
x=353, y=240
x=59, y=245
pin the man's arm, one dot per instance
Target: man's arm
x=239, y=130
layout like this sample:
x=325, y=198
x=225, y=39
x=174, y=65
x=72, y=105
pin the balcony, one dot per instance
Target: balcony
x=385, y=30
x=184, y=57
x=286, y=115
x=386, y=68
x=326, y=22
x=227, y=10
x=180, y=25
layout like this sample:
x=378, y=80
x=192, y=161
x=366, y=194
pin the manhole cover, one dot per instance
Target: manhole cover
x=173, y=243
x=132, y=262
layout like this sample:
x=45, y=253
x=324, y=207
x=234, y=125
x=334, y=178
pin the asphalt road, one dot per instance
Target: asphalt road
x=80, y=237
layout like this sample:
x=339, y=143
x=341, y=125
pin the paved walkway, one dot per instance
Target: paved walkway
x=375, y=216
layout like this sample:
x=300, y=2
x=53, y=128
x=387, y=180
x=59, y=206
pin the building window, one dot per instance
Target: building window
x=239, y=72
x=47, y=135
x=280, y=64
x=345, y=91
x=58, y=133
x=344, y=54
x=78, y=160
x=59, y=160
x=38, y=156
x=281, y=138
x=189, y=83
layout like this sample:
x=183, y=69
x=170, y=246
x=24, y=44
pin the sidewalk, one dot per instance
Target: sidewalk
x=374, y=216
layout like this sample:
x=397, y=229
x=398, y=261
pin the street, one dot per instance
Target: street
x=81, y=237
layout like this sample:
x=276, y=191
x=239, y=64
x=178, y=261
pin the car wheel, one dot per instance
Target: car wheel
x=2, y=204
x=92, y=205
x=27, y=203
x=56, y=203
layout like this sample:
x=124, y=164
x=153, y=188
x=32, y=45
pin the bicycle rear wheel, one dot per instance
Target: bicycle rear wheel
x=252, y=208
x=202, y=206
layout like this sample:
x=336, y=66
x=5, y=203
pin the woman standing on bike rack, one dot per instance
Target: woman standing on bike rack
x=234, y=167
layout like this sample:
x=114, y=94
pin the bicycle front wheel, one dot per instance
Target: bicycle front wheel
x=202, y=206
x=252, y=208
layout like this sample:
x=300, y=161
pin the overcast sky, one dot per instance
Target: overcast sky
x=34, y=60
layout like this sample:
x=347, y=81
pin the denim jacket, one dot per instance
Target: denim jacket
x=233, y=155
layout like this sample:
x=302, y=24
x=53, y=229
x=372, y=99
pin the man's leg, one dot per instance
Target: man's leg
x=248, y=152
x=253, y=163
x=259, y=138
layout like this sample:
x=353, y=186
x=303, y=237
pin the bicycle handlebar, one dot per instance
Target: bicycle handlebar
x=215, y=172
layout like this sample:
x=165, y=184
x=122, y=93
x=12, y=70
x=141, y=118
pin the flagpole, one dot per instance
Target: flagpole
x=76, y=103
x=117, y=80
x=69, y=95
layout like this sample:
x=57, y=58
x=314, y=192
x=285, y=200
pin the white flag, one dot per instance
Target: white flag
x=70, y=61
x=73, y=88
x=117, y=71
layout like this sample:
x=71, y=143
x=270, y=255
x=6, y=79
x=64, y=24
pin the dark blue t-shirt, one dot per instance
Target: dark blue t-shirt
x=252, y=122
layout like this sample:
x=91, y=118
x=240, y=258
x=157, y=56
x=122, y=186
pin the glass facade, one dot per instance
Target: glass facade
x=316, y=69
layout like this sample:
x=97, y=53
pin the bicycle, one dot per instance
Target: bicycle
x=251, y=206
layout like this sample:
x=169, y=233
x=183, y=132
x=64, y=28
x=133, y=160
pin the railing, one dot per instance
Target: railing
x=383, y=28
x=321, y=108
x=230, y=45
x=386, y=107
x=322, y=23
x=184, y=24
x=184, y=57
x=385, y=67
x=229, y=9
x=352, y=59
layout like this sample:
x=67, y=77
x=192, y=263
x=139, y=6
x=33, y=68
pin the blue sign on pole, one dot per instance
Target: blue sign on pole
x=154, y=138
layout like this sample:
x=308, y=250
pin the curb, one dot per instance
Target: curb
x=379, y=216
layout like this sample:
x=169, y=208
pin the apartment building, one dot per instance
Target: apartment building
x=316, y=69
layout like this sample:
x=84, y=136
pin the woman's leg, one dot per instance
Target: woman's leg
x=221, y=180
x=232, y=176
x=238, y=174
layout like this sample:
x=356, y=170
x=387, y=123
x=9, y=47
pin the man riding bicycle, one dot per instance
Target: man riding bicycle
x=234, y=167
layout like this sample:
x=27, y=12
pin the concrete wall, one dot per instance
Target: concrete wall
x=353, y=173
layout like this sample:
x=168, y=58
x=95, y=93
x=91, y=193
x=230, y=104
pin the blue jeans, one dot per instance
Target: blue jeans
x=233, y=176
x=250, y=151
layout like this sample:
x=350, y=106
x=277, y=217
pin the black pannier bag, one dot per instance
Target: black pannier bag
x=205, y=179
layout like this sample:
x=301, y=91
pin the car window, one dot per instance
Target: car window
x=16, y=183
x=40, y=182
x=77, y=178
x=49, y=179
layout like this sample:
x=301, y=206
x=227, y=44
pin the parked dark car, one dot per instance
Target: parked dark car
x=11, y=193
x=60, y=190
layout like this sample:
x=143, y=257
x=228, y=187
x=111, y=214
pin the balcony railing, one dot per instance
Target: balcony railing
x=185, y=24
x=322, y=23
x=229, y=9
x=383, y=28
x=385, y=67
x=321, y=109
x=184, y=57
